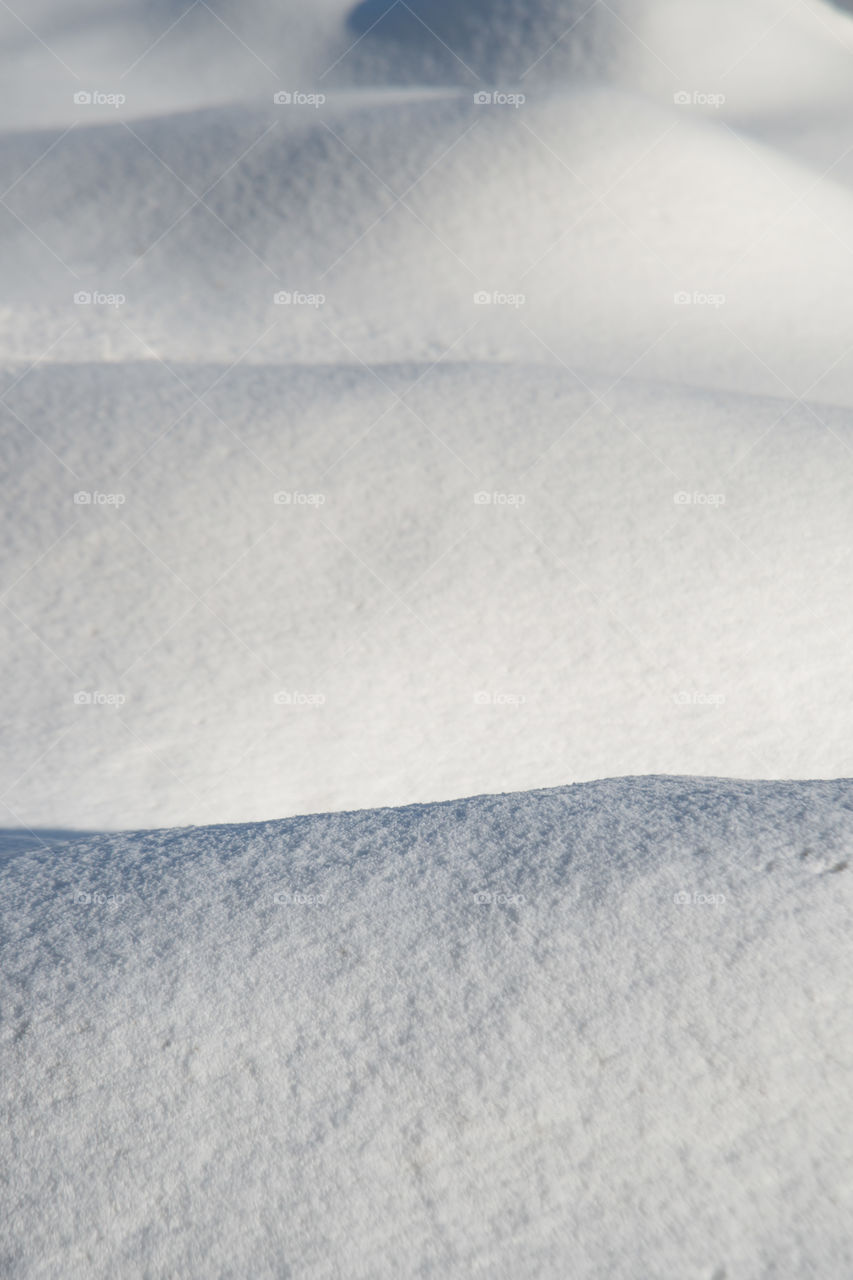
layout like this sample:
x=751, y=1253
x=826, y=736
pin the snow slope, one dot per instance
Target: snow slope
x=483, y=1037
x=742, y=48
x=592, y=211
x=403, y=403
x=658, y=580
x=167, y=55
x=670, y=294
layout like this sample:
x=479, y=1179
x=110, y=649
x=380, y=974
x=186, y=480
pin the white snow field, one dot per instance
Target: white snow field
x=582, y=305
x=660, y=580
x=598, y=1031
x=402, y=402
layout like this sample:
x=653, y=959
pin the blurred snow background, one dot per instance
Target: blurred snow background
x=593, y=262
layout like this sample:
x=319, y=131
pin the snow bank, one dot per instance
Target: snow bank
x=406, y=402
x=304, y=593
x=380, y=301
x=600, y=1031
x=751, y=51
x=168, y=55
x=278, y=235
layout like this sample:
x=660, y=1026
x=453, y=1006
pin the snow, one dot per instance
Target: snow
x=485, y=1036
x=401, y=403
x=617, y=206
x=605, y=621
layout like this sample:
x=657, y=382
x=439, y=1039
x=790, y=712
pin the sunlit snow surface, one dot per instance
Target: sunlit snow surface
x=384, y=444
x=399, y=404
x=603, y=1030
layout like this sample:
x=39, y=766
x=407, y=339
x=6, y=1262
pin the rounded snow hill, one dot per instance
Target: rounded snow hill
x=237, y=594
x=753, y=53
x=592, y=228
x=598, y=1031
x=167, y=55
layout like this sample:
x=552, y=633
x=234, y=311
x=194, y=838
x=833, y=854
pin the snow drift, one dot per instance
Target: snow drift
x=747, y=48
x=599, y=1031
x=405, y=402
x=596, y=213
x=332, y=588
x=393, y=300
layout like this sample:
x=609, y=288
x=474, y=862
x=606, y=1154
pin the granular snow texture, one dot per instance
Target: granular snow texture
x=599, y=1031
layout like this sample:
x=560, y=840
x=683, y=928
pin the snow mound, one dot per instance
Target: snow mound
x=545, y=1034
x=484, y=40
x=168, y=55
x=752, y=51
x=323, y=588
x=592, y=227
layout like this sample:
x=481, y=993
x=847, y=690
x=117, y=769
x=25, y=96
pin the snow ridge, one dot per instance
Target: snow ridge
x=472, y=1036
